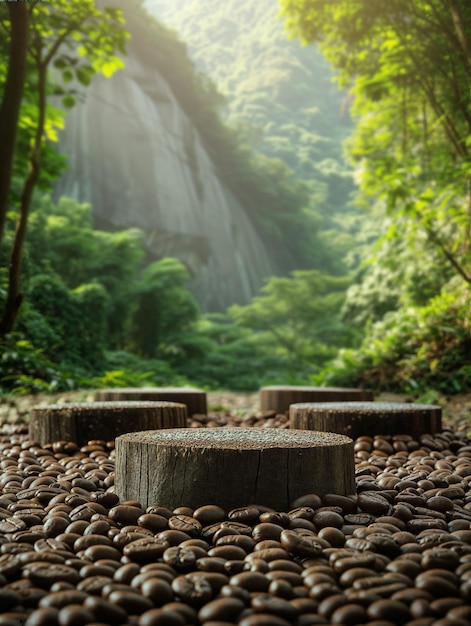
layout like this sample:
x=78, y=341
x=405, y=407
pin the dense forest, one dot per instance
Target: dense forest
x=379, y=239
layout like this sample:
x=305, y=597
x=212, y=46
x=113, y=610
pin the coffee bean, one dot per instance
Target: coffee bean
x=195, y=591
x=161, y=617
x=185, y=524
x=104, y=611
x=221, y=609
x=393, y=610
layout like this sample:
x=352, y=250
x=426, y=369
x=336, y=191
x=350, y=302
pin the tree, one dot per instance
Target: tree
x=78, y=40
x=299, y=316
x=408, y=68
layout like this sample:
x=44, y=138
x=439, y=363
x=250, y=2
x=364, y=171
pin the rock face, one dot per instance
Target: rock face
x=135, y=155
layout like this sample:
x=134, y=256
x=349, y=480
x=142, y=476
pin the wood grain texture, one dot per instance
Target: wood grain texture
x=195, y=399
x=367, y=418
x=279, y=397
x=231, y=467
x=81, y=422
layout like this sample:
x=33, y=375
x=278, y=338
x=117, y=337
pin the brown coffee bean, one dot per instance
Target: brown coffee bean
x=104, y=611
x=349, y=615
x=224, y=609
x=59, y=599
x=153, y=522
x=252, y=581
x=373, y=503
x=185, y=524
x=228, y=552
x=294, y=579
x=74, y=615
x=392, y=610
x=440, y=558
x=304, y=546
x=245, y=515
x=195, y=591
x=124, y=515
x=44, y=574
x=242, y=541
x=43, y=617
x=146, y=549
x=263, y=619
x=161, y=617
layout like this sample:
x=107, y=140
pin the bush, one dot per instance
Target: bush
x=412, y=349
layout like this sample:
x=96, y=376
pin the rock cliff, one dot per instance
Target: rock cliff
x=136, y=156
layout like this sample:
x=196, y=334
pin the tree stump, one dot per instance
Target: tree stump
x=367, y=418
x=231, y=467
x=278, y=398
x=195, y=399
x=81, y=422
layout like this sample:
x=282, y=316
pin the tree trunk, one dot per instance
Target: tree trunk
x=355, y=419
x=83, y=422
x=14, y=296
x=11, y=102
x=461, y=33
x=195, y=399
x=232, y=467
x=278, y=398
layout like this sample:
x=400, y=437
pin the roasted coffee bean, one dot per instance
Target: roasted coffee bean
x=161, y=617
x=224, y=609
x=349, y=615
x=263, y=619
x=185, y=524
x=304, y=546
x=74, y=615
x=392, y=610
x=195, y=591
x=241, y=541
x=43, y=617
x=132, y=603
x=59, y=599
x=252, y=581
x=158, y=591
x=146, y=549
x=179, y=558
x=228, y=552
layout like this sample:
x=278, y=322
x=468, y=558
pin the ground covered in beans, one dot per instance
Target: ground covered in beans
x=396, y=552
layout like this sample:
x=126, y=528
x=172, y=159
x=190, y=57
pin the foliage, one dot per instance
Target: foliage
x=25, y=369
x=38, y=35
x=413, y=349
x=408, y=66
x=165, y=311
x=299, y=317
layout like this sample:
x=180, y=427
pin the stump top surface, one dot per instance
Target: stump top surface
x=112, y=405
x=308, y=388
x=366, y=407
x=237, y=438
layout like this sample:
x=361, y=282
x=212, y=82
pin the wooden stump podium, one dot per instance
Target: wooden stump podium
x=82, y=422
x=279, y=398
x=367, y=418
x=231, y=467
x=195, y=399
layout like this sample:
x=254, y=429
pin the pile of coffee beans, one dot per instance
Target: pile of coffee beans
x=398, y=552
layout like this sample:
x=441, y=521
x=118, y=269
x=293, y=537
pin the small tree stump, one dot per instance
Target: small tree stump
x=81, y=422
x=231, y=467
x=195, y=399
x=367, y=418
x=278, y=398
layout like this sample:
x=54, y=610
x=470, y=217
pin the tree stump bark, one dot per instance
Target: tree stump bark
x=195, y=399
x=82, y=422
x=231, y=467
x=367, y=418
x=278, y=398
